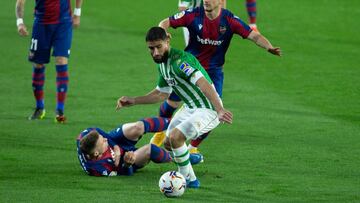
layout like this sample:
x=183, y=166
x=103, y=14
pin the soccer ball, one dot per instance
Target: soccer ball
x=172, y=184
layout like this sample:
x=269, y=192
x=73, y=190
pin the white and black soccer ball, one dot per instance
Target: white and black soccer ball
x=172, y=184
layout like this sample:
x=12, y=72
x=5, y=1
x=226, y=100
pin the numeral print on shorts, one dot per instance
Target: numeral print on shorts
x=34, y=43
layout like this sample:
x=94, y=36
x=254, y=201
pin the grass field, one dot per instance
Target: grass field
x=296, y=130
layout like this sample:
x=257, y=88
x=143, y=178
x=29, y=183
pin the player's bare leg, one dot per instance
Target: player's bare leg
x=133, y=131
x=142, y=155
x=182, y=157
x=151, y=152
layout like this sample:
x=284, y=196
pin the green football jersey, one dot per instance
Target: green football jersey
x=180, y=73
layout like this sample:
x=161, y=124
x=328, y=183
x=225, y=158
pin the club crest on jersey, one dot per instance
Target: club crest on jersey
x=186, y=68
x=222, y=29
x=179, y=15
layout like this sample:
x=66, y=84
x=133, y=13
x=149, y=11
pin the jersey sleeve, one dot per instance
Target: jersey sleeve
x=196, y=76
x=238, y=26
x=111, y=142
x=193, y=75
x=101, y=168
x=189, y=71
x=182, y=19
x=81, y=156
x=188, y=68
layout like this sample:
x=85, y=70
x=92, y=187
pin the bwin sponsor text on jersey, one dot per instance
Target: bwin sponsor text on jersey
x=209, y=41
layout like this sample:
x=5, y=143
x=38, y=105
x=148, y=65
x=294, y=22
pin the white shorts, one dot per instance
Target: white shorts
x=193, y=122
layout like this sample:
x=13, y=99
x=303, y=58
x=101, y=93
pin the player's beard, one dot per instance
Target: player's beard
x=163, y=59
x=207, y=9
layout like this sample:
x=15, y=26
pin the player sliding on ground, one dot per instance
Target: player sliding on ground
x=114, y=153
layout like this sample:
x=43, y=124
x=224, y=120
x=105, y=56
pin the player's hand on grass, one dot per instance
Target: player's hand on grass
x=125, y=101
x=129, y=158
x=275, y=51
x=225, y=116
x=22, y=30
x=76, y=21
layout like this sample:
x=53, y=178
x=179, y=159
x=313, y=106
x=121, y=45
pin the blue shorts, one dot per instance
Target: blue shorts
x=45, y=37
x=119, y=138
x=216, y=75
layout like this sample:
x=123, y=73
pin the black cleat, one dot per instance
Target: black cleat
x=38, y=114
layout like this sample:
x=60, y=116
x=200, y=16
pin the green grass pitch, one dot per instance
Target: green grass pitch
x=296, y=130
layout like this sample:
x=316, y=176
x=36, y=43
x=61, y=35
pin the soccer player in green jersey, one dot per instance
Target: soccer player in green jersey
x=203, y=110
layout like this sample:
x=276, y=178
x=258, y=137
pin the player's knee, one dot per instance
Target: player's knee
x=177, y=139
x=173, y=139
x=60, y=60
x=138, y=128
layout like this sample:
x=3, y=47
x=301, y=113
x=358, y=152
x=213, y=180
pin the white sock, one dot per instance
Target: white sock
x=186, y=35
x=181, y=158
x=192, y=173
x=190, y=147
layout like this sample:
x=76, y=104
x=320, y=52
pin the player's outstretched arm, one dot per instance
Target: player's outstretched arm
x=77, y=13
x=19, y=12
x=165, y=24
x=125, y=101
x=152, y=97
x=261, y=41
x=223, y=114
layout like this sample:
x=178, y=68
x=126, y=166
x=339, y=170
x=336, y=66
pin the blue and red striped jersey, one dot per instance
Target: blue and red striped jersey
x=52, y=11
x=209, y=39
x=105, y=165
